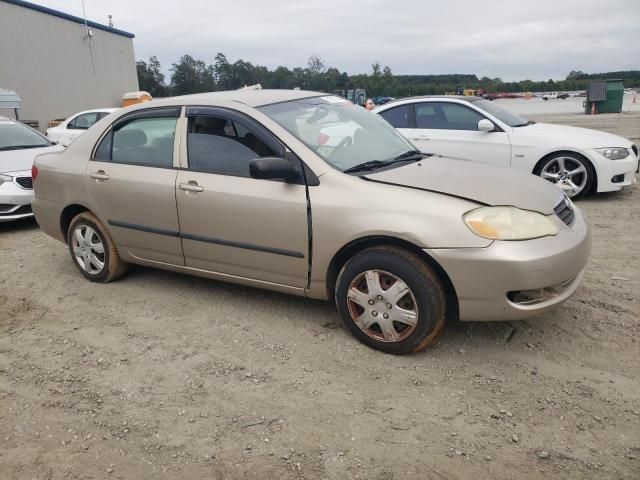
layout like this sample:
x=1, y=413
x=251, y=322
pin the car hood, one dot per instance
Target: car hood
x=473, y=181
x=576, y=136
x=21, y=160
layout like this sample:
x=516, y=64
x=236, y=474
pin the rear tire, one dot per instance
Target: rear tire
x=391, y=300
x=93, y=250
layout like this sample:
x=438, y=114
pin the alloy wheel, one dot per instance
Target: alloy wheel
x=567, y=173
x=88, y=249
x=382, y=306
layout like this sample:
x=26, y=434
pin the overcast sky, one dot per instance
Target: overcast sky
x=513, y=39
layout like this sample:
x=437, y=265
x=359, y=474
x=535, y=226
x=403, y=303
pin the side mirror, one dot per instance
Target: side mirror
x=271, y=168
x=485, y=125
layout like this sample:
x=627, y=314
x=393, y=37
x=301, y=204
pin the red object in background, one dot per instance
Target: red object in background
x=323, y=139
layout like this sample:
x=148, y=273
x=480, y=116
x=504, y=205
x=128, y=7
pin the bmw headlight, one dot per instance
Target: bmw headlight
x=508, y=223
x=615, y=153
x=5, y=178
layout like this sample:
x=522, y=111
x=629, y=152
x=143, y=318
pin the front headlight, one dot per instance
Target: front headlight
x=508, y=223
x=616, y=153
x=5, y=178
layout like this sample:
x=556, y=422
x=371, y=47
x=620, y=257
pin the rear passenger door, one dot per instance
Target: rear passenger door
x=132, y=179
x=231, y=223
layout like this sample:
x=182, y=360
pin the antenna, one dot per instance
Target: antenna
x=88, y=37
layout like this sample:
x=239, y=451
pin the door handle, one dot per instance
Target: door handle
x=421, y=137
x=191, y=187
x=100, y=176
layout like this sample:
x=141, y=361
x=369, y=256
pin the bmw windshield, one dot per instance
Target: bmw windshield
x=501, y=114
x=345, y=135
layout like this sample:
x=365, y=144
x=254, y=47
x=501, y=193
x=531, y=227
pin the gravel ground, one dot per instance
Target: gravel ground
x=167, y=376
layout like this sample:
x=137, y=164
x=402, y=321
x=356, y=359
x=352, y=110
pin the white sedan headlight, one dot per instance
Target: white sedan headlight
x=508, y=223
x=616, y=153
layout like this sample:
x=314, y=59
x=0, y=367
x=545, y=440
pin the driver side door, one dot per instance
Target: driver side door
x=451, y=129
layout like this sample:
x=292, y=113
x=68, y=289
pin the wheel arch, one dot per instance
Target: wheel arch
x=538, y=165
x=67, y=215
x=356, y=246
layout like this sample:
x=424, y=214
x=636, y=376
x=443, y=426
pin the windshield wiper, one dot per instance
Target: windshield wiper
x=21, y=147
x=411, y=155
x=370, y=165
x=530, y=122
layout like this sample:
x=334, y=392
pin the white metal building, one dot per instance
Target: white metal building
x=59, y=65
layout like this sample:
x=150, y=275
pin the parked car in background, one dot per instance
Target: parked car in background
x=578, y=160
x=75, y=125
x=382, y=100
x=19, y=145
x=240, y=186
x=549, y=96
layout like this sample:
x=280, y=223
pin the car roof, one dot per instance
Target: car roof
x=461, y=98
x=252, y=98
x=107, y=110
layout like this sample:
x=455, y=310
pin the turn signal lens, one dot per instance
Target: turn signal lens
x=508, y=223
x=34, y=173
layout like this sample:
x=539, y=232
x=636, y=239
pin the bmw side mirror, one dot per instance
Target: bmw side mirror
x=273, y=168
x=485, y=125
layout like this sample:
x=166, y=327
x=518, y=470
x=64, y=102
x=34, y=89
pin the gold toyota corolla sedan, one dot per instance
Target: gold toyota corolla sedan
x=308, y=194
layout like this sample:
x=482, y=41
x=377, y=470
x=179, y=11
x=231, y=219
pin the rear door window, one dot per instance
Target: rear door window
x=141, y=141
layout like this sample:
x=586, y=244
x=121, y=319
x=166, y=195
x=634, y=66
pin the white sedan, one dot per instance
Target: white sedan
x=578, y=160
x=72, y=127
x=19, y=146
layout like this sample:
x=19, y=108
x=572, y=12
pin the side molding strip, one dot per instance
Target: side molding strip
x=144, y=228
x=202, y=238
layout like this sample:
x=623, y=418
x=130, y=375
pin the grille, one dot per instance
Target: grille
x=5, y=207
x=15, y=211
x=564, y=211
x=25, y=182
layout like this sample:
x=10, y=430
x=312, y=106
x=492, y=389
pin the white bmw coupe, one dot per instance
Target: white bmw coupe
x=578, y=160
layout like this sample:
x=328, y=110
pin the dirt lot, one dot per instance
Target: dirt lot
x=161, y=375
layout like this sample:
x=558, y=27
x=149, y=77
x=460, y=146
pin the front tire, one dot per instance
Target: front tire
x=391, y=300
x=93, y=250
x=571, y=172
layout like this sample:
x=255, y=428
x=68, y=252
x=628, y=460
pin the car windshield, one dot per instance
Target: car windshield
x=14, y=136
x=343, y=134
x=501, y=114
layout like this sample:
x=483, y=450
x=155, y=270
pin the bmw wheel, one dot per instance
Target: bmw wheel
x=569, y=171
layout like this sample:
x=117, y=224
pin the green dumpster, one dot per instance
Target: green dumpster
x=607, y=95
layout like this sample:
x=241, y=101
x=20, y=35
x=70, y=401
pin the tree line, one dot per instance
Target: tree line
x=189, y=75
